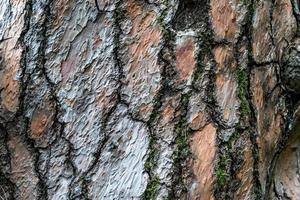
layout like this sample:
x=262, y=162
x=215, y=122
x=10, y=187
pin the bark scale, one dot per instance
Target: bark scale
x=136, y=99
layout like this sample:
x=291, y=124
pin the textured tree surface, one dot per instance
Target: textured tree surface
x=149, y=99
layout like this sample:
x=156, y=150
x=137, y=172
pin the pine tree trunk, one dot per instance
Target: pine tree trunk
x=149, y=99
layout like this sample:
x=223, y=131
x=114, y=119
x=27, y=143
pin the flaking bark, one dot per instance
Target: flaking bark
x=166, y=99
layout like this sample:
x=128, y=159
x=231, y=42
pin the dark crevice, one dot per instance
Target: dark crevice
x=231, y=157
x=117, y=16
x=296, y=12
x=69, y=163
x=164, y=91
x=20, y=118
x=186, y=17
x=40, y=70
x=26, y=83
x=23, y=63
x=7, y=187
x=30, y=146
x=288, y=89
x=270, y=22
x=286, y=133
x=179, y=187
x=248, y=32
x=275, y=191
x=188, y=14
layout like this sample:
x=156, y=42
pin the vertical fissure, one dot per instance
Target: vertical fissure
x=257, y=190
x=164, y=91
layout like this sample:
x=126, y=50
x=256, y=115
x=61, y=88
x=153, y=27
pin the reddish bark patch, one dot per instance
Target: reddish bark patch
x=224, y=19
x=41, y=120
x=203, y=146
x=67, y=67
x=185, y=59
x=8, y=80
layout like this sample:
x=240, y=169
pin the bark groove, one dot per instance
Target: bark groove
x=165, y=99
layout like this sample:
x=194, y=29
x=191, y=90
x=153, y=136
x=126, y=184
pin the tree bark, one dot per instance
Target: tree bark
x=144, y=99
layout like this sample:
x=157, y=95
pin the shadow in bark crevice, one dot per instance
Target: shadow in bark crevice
x=286, y=174
x=191, y=14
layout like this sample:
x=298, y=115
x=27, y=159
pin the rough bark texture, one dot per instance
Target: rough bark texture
x=149, y=99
